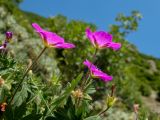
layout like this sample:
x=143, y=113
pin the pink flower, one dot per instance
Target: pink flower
x=101, y=39
x=51, y=39
x=96, y=73
x=4, y=45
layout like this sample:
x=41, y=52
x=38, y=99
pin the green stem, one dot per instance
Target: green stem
x=26, y=72
x=102, y=112
x=136, y=116
x=85, y=81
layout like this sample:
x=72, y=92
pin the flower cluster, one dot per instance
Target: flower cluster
x=99, y=39
x=7, y=40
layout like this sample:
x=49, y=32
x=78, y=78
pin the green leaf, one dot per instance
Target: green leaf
x=21, y=96
x=3, y=93
x=88, y=97
x=74, y=83
x=67, y=112
x=84, y=108
x=67, y=92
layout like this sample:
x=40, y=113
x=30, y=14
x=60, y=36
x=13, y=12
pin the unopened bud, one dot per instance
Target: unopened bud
x=30, y=72
x=136, y=107
x=3, y=106
x=9, y=36
x=110, y=101
x=1, y=81
x=77, y=94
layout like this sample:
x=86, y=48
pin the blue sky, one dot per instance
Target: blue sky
x=103, y=12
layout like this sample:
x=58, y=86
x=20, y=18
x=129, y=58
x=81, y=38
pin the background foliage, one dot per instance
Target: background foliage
x=135, y=75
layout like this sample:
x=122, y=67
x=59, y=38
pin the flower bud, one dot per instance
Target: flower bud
x=110, y=101
x=1, y=81
x=30, y=72
x=77, y=94
x=9, y=36
x=136, y=107
x=3, y=106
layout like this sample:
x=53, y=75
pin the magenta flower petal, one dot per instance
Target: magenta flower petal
x=101, y=75
x=48, y=37
x=101, y=39
x=95, y=72
x=89, y=65
x=89, y=34
x=51, y=39
x=64, y=45
x=114, y=46
x=37, y=27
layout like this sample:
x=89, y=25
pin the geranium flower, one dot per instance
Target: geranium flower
x=1, y=47
x=51, y=39
x=4, y=45
x=97, y=73
x=101, y=39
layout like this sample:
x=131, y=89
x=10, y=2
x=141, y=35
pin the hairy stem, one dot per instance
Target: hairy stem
x=102, y=112
x=136, y=116
x=26, y=72
x=88, y=74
